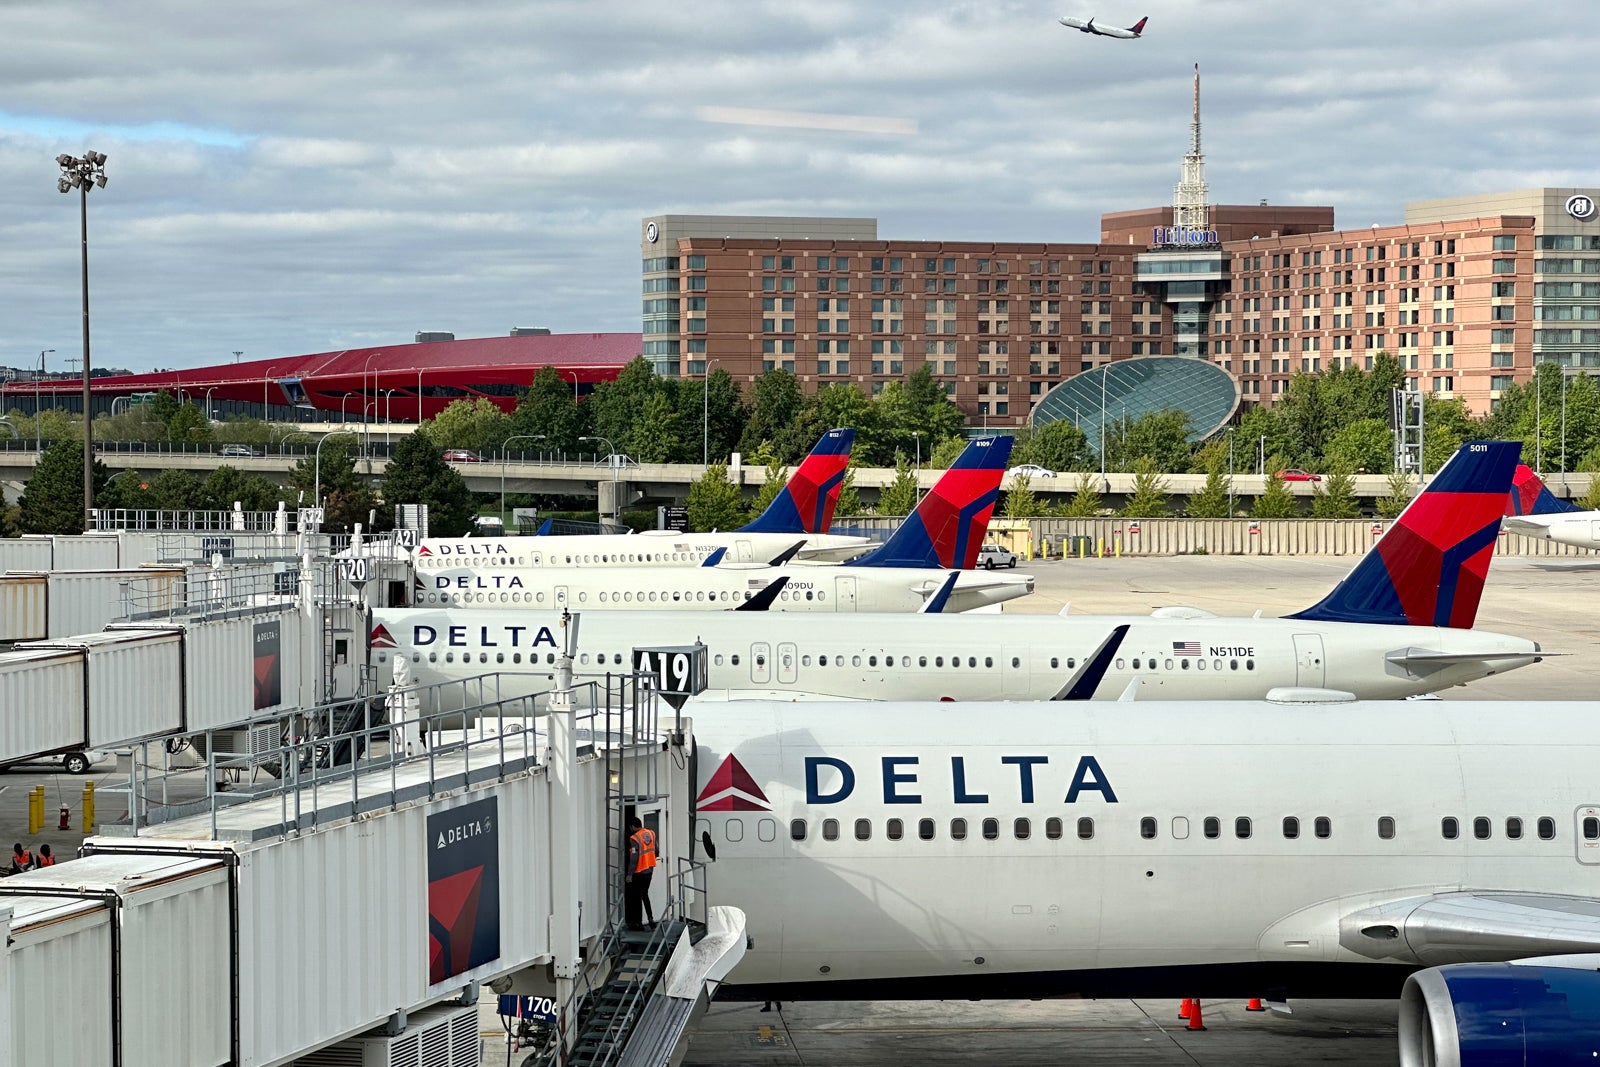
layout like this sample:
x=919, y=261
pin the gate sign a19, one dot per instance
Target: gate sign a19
x=679, y=670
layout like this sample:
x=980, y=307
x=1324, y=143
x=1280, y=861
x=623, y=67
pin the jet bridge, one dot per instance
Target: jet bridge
x=375, y=880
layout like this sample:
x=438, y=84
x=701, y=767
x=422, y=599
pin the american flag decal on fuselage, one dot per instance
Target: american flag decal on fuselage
x=1186, y=648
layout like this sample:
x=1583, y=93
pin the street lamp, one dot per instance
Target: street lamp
x=208, y=404
x=388, y=412
x=370, y=357
x=316, y=476
x=505, y=454
x=705, y=414
x=344, y=416
x=236, y=354
x=81, y=174
x=38, y=423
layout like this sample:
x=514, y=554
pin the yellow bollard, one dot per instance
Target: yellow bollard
x=88, y=807
x=1119, y=548
x=1101, y=548
x=35, y=809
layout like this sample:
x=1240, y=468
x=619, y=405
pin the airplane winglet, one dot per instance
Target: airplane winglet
x=544, y=528
x=763, y=600
x=715, y=557
x=786, y=555
x=1081, y=686
x=934, y=605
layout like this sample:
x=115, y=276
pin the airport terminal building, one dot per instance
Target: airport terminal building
x=1469, y=293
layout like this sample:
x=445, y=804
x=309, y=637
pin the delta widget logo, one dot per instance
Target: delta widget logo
x=732, y=789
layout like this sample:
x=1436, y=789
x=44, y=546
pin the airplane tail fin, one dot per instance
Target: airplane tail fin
x=948, y=526
x=1530, y=496
x=1428, y=569
x=1138, y=27
x=806, y=504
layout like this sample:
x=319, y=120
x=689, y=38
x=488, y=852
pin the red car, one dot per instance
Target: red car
x=462, y=455
x=1295, y=474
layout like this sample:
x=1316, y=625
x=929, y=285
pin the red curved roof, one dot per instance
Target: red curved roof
x=390, y=375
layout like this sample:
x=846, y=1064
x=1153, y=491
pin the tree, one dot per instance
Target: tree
x=347, y=498
x=1057, y=446
x=1149, y=499
x=1391, y=506
x=1334, y=497
x=849, y=499
x=654, y=436
x=899, y=497
x=548, y=409
x=777, y=415
x=842, y=404
x=1212, y=501
x=176, y=490
x=1085, y=503
x=946, y=452
x=188, y=423
x=777, y=478
x=227, y=485
x=418, y=474
x=710, y=425
x=476, y=424
x=1163, y=436
x=714, y=502
x=1021, y=501
x=917, y=406
x=1276, y=502
x=1362, y=445
x=52, y=500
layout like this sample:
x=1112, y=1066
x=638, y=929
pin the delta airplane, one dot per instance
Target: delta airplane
x=1236, y=849
x=1136, y=30
x=945, y=531
x=1397, y=625
x=802, y=512
x=1534, y=511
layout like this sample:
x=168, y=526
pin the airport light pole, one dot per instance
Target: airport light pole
x=705, y=414
x=364, y=390
x=316, y=466
x=38, y=423
x=505, y=454
x=82, y=174
x=237, y=353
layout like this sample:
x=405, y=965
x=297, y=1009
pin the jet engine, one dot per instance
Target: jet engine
x=1529, y=1012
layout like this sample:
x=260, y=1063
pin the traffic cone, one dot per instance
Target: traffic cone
x=1185, y=1008
x=1254, y=1004
x=1195, y=1022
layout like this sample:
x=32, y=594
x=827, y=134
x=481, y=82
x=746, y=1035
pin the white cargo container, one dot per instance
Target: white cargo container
x=41, y=703
x=86, y=552
x=24, y=600
x=135, y=683
x=31, y=552
x=84, y=602
x=167, y=971
x=59, y=961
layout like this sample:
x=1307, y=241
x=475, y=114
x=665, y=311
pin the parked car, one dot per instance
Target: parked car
x=1295, y=474
x=992, y=556
x=76, y=761
x=461, y=455
x=1032, y=470
x=237, y=450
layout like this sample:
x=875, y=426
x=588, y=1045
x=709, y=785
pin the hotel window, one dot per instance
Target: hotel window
x=1505, y=242
x=1504, y=266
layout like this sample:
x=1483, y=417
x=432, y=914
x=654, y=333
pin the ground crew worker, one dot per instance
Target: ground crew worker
x=641, y=866
x=21, y=859
x=46, y=857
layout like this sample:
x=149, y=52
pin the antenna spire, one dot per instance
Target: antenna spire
x=1189, y=197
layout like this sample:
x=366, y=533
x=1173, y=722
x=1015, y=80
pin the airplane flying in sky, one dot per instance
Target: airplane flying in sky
x=1237, y=849
x=1397, y=625
x=803, y=511
x=1136, y=30
x=1534, y=511
x=944, y=532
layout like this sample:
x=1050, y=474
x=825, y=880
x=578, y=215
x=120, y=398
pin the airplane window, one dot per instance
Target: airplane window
x=734, y=829
x=958, y=829
x=416, y=657
x=549, y=657
x=1169, y=664
x=1054, y=663
x=583, y=658
x=872, y=661
x=1052, y=828
x=449, y=657
x=1386, y=827
x=582, y=596
x=761, y=661
x=1480, y=828
x=784, y=595
x=602, y=598
x=938, y=661
x=855, y=661
x=894, y=829
x=483, y=657
x=991, y=829
x=822, y=661
x=863, y=829
x=767, y=829
x=1514, y=828
x=1180, y=828
x=925, y=829
x=830, y=829
x=1322, y=826
x=382, y=658
x=1241, y=827
x=1217, y=664
x=1547, y=828
x=922, y=661
x=1450, y=828
x=955, y=661
x=1249, y=664
x=809, y=594
x=1015, y=662
x=805, y=661
x=516, y=657
x=1072, y=662
x=1185, y=664
x=1291, y=827
x=1147, y=828
x=1086, y=829
x=972, y=661
x=717, y=659
x=1199, y=664
x=1591, y=828
x=627, y=596
x=1233, y=664
x=1022, y=829
x=822, y=594
x=734, y=659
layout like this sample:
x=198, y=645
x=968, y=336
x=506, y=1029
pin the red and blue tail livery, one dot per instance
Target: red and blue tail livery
x=1530, y=496
x=947, y=528
x=1428, y=569
x=806, y=503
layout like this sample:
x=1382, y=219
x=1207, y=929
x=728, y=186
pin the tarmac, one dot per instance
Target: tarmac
x=1547, y=599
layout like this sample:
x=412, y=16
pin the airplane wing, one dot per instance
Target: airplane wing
x=1423, y=661
x=1528, y=525
x=786, y=555
x=1472, y=927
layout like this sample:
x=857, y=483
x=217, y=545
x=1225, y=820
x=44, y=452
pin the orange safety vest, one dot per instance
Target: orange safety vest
x=645, y=841
x=47, y=861
x=24, y=861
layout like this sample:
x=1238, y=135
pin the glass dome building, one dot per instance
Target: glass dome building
x=1137, y=387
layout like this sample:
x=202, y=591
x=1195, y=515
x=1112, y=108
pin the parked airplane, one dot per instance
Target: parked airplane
x=945, y=531
x=1136, y=30
x=1395, y=626
x=1534, y=511
x=803, y=511
x=1240, y=849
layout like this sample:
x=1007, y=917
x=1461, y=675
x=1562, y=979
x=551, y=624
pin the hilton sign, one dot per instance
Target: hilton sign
x=1168, y=236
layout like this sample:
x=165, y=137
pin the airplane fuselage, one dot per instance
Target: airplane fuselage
x=809, y=588
x=1016, y=850
x=654, y=548
x=1089, y=26
x=1578, y=528
x=959, y=657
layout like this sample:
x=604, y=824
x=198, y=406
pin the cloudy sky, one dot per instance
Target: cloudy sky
x=289, y=177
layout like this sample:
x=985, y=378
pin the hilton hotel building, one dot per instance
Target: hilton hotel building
x=1469, y=293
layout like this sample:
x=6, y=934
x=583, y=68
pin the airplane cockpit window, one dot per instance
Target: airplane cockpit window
x=925, y=829
x=894, y=829
x=1052, y=828
x=1086, y=829
x=1450, y=828
x=1547, y=828
x=1322, y=826
x=958, y=829
x=991, y=829
x=1147, y=828
x=1212, y=827
x=1291, y=827
x=797, y=829
x=1241, y=827
x=1386, y=827
x=863, y=829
